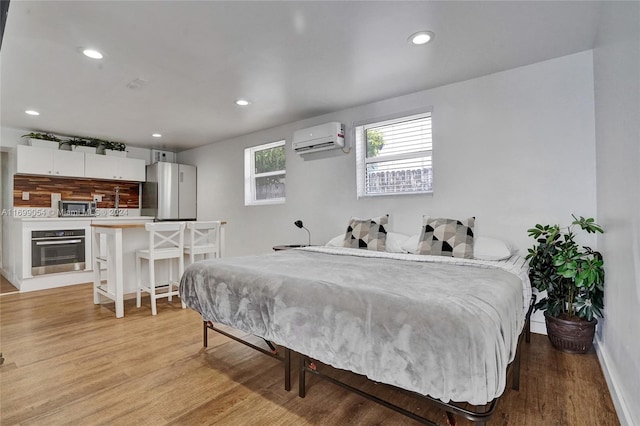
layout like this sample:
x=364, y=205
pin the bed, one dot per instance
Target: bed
x=441, y=327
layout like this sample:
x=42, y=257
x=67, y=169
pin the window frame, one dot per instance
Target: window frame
x=250, y=176
x=362, y=161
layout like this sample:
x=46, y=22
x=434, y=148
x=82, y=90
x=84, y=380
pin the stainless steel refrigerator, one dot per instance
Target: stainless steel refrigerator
x=169, y=192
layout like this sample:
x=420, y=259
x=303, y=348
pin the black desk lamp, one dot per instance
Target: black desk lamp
x=300, y=225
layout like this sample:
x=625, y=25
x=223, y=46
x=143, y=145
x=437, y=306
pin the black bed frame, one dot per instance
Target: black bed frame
x=479, y=414
x=273, y=352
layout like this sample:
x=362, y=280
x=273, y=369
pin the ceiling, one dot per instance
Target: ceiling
x=291, y=60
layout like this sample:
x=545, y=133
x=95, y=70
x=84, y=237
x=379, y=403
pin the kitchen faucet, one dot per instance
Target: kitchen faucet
x=117, y=202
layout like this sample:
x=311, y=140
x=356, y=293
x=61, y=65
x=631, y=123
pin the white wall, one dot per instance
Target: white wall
x=513, y=149
x=617, y=113
x=9, y=138
x=3, y=159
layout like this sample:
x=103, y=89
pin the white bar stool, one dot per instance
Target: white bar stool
x=166, y=242
x=204, y=239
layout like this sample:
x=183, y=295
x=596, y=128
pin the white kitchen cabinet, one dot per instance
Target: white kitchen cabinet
x=118, y=168
x=132, y=169
x=50, y=162
x=54, y=162
x=100, y=166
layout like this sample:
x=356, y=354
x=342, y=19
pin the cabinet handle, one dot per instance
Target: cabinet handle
x=49, y=171
x=57, y=173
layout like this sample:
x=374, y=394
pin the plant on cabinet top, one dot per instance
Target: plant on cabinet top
x=42, y=136
x=115, y=146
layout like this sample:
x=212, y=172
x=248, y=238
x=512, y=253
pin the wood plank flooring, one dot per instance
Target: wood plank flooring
x=6, y=286
x=69, y=362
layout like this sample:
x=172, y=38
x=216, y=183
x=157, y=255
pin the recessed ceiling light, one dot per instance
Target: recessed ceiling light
x=421, y=37
x=242, y=102
x=156, y=135
x=32, y=112
x=93, y=54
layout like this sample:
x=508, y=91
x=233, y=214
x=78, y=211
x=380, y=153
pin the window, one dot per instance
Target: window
x=264, y=174
x=394, y=156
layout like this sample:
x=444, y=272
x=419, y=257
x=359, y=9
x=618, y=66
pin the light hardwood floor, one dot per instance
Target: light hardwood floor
x=71, y=362
x=6, y=286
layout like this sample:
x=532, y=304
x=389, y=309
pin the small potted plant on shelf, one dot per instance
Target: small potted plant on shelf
x=115, y=148
x=43, y=140
x=83, y=145
x=573, y=277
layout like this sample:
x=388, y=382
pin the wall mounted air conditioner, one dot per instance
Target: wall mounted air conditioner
x=319, y=138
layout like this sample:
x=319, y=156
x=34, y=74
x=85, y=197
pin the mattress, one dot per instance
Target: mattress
x=438, y=326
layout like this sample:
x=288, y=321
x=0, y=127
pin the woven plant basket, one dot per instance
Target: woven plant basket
x=572, y=336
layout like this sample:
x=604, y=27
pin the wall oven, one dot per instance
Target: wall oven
x=57, y=251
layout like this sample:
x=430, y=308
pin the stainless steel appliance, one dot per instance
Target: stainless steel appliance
x=169, y=192
x=76, y=208
x=57, y=251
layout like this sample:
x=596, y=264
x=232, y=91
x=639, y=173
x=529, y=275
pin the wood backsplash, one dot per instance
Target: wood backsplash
x=40, y=189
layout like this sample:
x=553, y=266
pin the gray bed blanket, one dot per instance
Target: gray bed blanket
x=443, y=329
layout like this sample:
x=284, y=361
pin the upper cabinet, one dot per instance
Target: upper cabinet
x=118, y=168
x=55, y=162
x=50, y=162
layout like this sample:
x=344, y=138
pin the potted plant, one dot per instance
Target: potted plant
x=43, y=140
x=573, y=277
x=115, y=148
x=83, y=145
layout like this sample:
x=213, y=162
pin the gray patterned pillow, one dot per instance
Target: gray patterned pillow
x=447, y=237
x=367, y=234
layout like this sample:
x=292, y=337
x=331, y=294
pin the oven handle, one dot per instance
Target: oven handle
x=55, y=238
x=51, y=243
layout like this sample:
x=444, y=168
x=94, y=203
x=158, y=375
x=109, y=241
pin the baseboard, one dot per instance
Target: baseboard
x=538, y=323
x=47, y=281
x=9, y=278
x=538, y=327
x=624, y=416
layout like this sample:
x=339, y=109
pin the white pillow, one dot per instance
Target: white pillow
x=395, y=241
x=337, y=241
x=394, y=244
x=484, y=248
x=487, y=248
x=410, y=245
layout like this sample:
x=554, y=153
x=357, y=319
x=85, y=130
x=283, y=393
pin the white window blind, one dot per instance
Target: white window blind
x=264, y=174
x=395, y=156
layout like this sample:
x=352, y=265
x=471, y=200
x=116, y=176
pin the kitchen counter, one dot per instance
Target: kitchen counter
x=118, y=225
x=83, y=218
x=17, y=262
x=114, y=250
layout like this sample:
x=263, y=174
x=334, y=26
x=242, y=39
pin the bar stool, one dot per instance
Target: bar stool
x=204, y=239
x=166, y=242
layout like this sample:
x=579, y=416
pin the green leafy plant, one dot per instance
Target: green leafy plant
x=43, y=136
x=572, y=275
x=99, y=143
x=375, y=142
x=79, y=141
x=116, y=146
